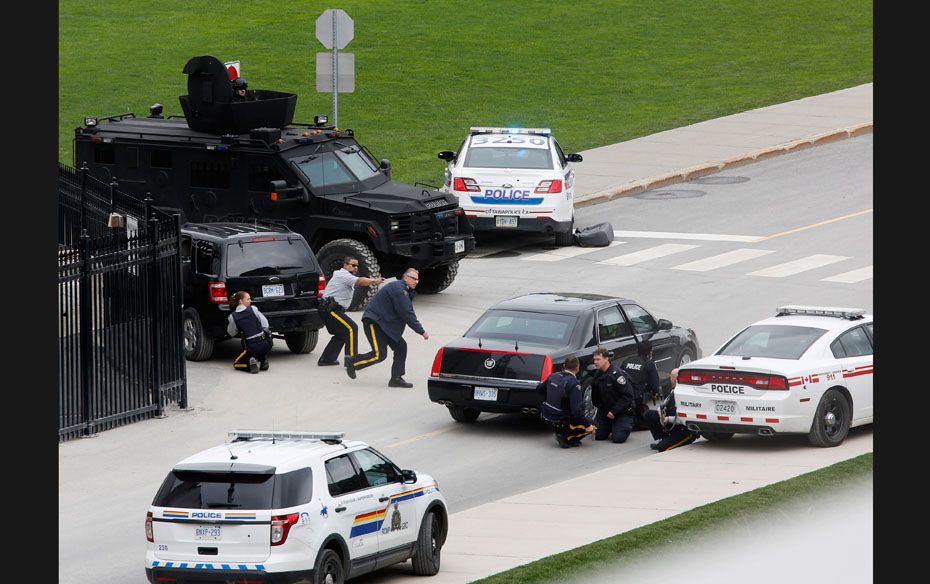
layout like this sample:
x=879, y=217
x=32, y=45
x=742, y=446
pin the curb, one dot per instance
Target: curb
x=686, y=174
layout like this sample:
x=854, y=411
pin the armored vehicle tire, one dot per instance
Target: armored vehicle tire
x=567, y=238
x=426, y=556
x=328, y=568
x=717, y=436
x=831, y=421
x=197, y=345
x=435, y=280
x=462, y=414
x=331, y=257
x=301, y=341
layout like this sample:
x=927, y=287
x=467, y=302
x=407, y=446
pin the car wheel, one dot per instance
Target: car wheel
x=435, y=280
x=587, y=398
x=686, y=357
x=429, y=545
x=831, y=422
x=328, y=568
x=462, y=414
x=567, y=238
x=197, y=345
x=717, y=436
x=331, y=257
x=301, y=341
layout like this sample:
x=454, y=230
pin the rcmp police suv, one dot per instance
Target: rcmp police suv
x=235, y=161
x=808, y=370
x=514, y=179
x=288, y=507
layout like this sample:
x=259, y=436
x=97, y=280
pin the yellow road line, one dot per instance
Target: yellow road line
x=812, y=225
x=418, y=438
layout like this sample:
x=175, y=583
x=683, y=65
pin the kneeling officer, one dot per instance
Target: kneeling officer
x=564, y=407
x=247, y=321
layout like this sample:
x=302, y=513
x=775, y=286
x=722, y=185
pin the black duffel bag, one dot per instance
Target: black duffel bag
x=599, y=235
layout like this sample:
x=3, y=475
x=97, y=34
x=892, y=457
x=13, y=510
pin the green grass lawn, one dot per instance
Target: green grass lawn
x=687, y=527
x=596, y=72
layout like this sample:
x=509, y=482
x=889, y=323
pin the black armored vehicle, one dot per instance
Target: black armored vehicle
x=227, y=160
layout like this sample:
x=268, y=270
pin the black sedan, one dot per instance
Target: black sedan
x=497, y=364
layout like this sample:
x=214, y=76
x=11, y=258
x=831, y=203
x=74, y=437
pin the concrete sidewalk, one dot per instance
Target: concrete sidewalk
x=497, y=536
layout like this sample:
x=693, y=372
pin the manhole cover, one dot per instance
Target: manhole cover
x=719, y=180
x=670, y=194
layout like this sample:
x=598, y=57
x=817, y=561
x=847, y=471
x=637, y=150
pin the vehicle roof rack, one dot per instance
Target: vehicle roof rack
x=328, y=437
x=489, y=130
x=838, y=312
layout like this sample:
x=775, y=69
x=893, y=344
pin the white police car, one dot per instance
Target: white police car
x=515, y=179
x=282, y=507
x=807, y=370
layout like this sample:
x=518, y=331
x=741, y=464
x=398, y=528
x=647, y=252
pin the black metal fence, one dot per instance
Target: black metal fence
x=120, y=357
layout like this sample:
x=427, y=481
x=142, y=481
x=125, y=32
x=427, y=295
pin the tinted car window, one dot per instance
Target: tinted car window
x=267, y=258
x=838, y=351
x=772, y=340
x=642, y=320
x=856, y=343
x=325, y=170
x=342, y=476
x=610, y=324
x=531, y=327
x=376, y=469
x=293, y=488
x=508, y=157
x=217, y=490
x=205, y=258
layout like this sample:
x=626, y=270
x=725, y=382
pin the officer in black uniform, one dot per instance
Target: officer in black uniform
x=613, y=396
x=241, y=90
x=641, y=370
x=564, y=407
x=667, y=431
x=247, y=321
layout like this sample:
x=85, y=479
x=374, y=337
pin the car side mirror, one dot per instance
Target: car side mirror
x=386, y=167
x=573, y=157
x=665, y=325
x=280, y=192
x=409, y=476
x=446, y=155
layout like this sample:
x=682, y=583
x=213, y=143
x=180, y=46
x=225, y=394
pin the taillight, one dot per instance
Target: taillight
x=546, y=368
x=281, y=526
x=263, y=238
x=149, y=534
x=320, y=286
x=549, y=186
x=437, y=363
x=218, y=293
x=466, y=184
x=756, y=380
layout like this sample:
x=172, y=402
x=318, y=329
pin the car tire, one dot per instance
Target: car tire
x=463, y=414
x=686, y=356
x=426, y=556
x=301, y=341
x=198, y=346
x=435, y=280
x=717, y=436
x=831, y=421
x=331, y=257
x=328, y=568
x=587, y=398
x=565, y=239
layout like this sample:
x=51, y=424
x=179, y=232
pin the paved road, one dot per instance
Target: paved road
x=107, y=482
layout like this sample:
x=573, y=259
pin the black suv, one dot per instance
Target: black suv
x=237, y=161
x=275, y=266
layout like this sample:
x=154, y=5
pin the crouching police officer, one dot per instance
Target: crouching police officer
x=613, y=396
x=248, y=322
x=666, y=430
x=641, y=370
x=564, y=406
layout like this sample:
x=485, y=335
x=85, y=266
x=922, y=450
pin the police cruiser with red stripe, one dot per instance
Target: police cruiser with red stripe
x=807, y=370
x=289, y=507
x=515, y=179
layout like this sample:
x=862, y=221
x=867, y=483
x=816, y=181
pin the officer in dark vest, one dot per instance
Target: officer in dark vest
x=564, y=406
x=641, y=370
x=612, y=393
x=667, y=431
x=246, y=321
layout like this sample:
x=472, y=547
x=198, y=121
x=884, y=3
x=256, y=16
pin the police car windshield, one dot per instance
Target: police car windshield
x=230, y=490
x=358, y=161
x=508, y=157
x=325, y=170
x=267, y=258
x=773, y=341
x=551, y=330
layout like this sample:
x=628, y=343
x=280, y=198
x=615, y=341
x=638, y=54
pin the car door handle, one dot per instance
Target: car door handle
x=339, y=509
x=383, y=499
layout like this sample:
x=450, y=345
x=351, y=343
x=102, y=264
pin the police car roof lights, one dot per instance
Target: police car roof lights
x=285, y=435
x=489, y=130
x=847, y=313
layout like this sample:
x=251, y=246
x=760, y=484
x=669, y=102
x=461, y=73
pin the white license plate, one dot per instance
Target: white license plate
x=504, y=221
x=486, y=393
x=725, y=407
x=208, y=532
x=459, y=246
x=272, y=290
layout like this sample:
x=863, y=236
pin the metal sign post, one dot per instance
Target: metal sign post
x=334, y=28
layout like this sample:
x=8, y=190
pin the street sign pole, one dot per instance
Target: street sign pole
x=335, y=74
x=335, y=29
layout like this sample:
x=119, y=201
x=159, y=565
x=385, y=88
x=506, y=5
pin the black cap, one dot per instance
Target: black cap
x=240, y=83
x=644, y=348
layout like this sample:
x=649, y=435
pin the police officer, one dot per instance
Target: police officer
x=252, y=325
x=384, y=320
x=564, y=406
x=613, y=396
x=336, y=300
x=667, y=431
x=641, y=370
x=240, y=89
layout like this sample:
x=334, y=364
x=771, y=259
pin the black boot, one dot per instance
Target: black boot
x=399, y=382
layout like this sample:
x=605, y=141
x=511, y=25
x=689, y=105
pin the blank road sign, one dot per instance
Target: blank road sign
x=344, y=28
x=324, y=72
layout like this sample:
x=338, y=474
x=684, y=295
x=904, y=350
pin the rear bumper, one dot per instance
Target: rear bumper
x=510, y=399
x=427, y=254
x=205, y=575
x=524, y=224
x=761, y=430
x=286, y=321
